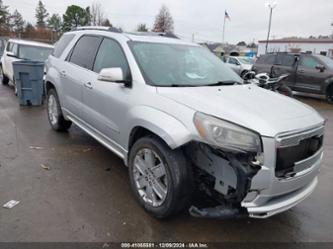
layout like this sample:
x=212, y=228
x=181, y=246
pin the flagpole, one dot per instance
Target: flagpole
x=223, y=29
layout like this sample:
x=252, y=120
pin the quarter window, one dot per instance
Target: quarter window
x=9, y=46
x=62, y=44
x=85, y=51
x=110, y=54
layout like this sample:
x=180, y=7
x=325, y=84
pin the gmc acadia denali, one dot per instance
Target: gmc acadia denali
x=184, y=123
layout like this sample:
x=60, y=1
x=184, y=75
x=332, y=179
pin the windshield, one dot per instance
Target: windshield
x=246, y=60
x=34, y=53
x=327, y=61
x=181, y=65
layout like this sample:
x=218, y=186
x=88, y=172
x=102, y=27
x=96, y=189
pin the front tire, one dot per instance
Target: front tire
x=54, y=113
x=285, y=90
x=161, y=178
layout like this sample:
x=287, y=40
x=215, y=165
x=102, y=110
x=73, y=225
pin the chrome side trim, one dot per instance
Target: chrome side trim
x=111, y=145
x=294, y=138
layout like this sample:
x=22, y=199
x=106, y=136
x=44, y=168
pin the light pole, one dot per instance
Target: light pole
x=271, y=6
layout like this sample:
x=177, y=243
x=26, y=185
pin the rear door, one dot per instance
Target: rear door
x=77, y=71
x=308, y=78
x=264, y=63
x=286, y=64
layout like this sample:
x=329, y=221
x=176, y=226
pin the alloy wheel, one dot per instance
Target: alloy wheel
x=150, y=177
x=52, y=108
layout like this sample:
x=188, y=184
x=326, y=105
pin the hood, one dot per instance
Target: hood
x=250, y=106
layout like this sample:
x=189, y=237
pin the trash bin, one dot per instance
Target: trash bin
x=29, y=81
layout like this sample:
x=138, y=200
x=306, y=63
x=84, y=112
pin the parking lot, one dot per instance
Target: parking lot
x=82, y=191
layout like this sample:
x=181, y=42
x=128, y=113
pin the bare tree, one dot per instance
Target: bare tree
x=163, y=21
x=97, y=14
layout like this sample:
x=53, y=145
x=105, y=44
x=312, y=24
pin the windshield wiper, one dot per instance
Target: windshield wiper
x=224, y=83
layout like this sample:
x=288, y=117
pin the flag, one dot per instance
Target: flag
x=226, y=16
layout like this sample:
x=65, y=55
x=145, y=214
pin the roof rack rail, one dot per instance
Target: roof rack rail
x=102, y=28
x=164, y=34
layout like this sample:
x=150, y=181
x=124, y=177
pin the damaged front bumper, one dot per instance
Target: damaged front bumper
x=254, y=190
x=280, y=204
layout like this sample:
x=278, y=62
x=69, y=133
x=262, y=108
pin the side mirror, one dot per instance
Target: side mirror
x=11, y=54
x=113, y=74
x=321, y=68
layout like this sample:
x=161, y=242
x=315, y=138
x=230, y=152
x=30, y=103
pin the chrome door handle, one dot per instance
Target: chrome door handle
x=88, y=85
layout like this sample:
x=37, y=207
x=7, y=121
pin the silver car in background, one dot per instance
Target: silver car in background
x=185, y=124
x=241, y=65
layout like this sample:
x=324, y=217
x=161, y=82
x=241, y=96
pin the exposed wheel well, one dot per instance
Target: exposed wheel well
x=139, y=132
x=49, y=86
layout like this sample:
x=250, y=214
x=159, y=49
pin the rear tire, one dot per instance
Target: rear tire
x=5, y=79
x=329, y=94
x=176, y=179
x=54, y=113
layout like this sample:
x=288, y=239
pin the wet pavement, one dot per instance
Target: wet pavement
x=85, y=194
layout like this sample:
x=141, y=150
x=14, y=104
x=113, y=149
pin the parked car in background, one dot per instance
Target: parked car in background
x=241, y=65
x=307, y=72
x=17, y=50
x=183, y=121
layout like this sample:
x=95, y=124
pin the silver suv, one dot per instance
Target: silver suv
x=192, y=134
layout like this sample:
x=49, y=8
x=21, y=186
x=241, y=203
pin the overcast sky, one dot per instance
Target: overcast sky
x=249, y=18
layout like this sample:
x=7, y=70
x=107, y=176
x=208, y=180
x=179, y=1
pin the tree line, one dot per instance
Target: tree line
x=49, y=27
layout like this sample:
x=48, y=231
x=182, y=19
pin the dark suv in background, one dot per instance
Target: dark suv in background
x=307, y=72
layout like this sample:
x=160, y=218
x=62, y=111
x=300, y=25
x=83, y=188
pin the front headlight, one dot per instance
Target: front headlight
x=226, y=135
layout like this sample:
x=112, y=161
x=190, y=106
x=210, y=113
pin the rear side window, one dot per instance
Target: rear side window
x=285, y=60
x=110, y=54
x=266, y=59
x=62, y=44
x=269, y=59
x=233, y=61
x=85, y=51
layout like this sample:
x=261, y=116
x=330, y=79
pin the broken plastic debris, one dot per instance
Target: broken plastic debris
x=45, y=167
x=36, y=147
x=11, y=204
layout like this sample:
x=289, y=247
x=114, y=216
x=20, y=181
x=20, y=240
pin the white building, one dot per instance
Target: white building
x=315, y=46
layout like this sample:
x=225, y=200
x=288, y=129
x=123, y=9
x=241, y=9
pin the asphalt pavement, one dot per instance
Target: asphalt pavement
x=71, y=188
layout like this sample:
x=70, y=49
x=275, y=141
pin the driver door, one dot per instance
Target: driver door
x=106, y=103
x=308, y=78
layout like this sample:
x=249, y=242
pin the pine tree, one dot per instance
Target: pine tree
x=4, y=16
x=17, y=22
x=41, y=15
x=142, y=27
x=163, y=21
x=54, y=23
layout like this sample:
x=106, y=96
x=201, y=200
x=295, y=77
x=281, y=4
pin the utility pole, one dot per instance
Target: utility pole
x=271, y=6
